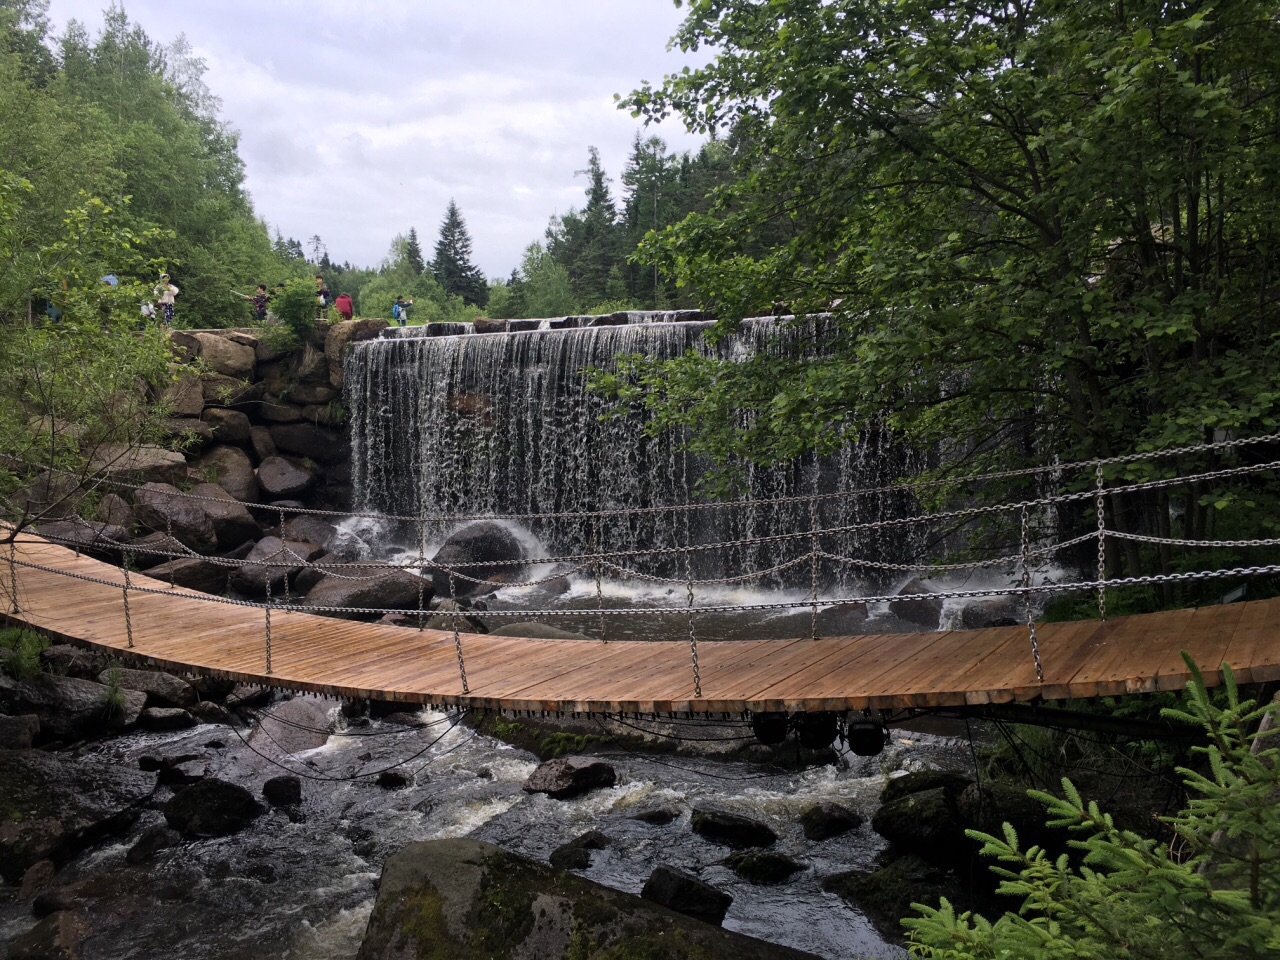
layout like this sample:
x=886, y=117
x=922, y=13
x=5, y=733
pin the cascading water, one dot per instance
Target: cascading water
x=505, y=424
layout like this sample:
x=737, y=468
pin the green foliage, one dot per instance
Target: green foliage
x=113, y=697
x=1214, y=892
x=452, y=265
x=20, y=652
x=295, y=306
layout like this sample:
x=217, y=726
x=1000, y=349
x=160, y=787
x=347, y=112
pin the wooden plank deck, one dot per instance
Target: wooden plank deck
x=181, y=631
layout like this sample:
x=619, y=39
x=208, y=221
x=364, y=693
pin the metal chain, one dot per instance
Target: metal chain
x=457, y=636
x=128, y=617
x=267, y=581
x=13, y=574
x=813, y=569
x=1026, y=597
x=168, y=527
x=422, y=580
x=1100, y=508
x=693, y=636
x=595, y=548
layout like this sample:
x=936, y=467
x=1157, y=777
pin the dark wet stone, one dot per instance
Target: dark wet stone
x=151, y=841
x=392, y=780
x=827, y=819
x=685, y=893
x=165, y=718
x=576, y=854
x=953, y=781
x=731, y=829
x=567, y=777
x=658, y=818
x=283, y=791
x=762, y=866
x=212, y=808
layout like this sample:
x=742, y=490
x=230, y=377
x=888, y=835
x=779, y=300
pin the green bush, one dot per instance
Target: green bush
x=295, y=305
x=1213, y=892
x=20, y=652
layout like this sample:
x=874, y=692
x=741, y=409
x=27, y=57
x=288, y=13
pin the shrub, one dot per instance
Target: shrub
x=1214, y=892
x=295, y=305
x=20, y=652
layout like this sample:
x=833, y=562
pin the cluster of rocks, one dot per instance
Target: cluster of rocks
x=748, y=839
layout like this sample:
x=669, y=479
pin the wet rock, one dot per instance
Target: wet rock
x=115, y=511
x=488, y=325
x=182, y=774
x=390, y=591
x=491, y=546
x=231, y=469
x=162, y=689
x=18, y=733
x=57, y=937
x=69, y=708
x=762, y=867
x=292, y=727
x=151, y=841
x=338, y=338
x=163, y=508
x=261, y=444
x=279, y=560
x=68, y=661
x=537, y=631
x=657, y=818
x=991, y=612
x=212, y=688
x=309, y=577
x=36, y=880
x=924, y=823
x=232, y=522
x=885, y=895
x=153, y=549
x=392, y=780
x=212, y=713
x=731, y=829
x=308, y=440
x=280, y=478
x=95, y=538
x=248, y=695
x=283, y=791
x=211, y=808
x=953, y=781
x=194, y=573
x=841, y=619
x=567, y=777
x=990, y=806
x=55, y=807
x=685, y=893
x=462, y=898
x=576, y=854
x=311, y=529
x=165, y=718
x=825, y=820
x=227, y=426
x=925, y=611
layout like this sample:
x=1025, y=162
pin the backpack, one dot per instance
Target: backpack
x=395, y=311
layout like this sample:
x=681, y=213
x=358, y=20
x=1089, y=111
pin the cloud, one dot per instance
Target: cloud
x=359, y=122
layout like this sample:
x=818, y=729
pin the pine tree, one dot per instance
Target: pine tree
x=452, y=265
x=413, y=253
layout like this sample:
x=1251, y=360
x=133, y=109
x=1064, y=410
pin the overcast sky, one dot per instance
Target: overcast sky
x=359, y=120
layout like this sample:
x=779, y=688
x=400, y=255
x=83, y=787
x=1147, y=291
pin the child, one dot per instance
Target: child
x=165, y=292
x=260, y=299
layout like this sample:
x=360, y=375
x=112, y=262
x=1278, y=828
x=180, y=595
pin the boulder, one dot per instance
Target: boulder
x=37, y=879
x=283, y=791
x=187, y=434
x=991, y=612
x=568, y=777
x=232, y=522
x=308, y=440
x=658, y=817
x=279, y=477
x=926, y=824
x=885, y=895
x=231, y=469
x=151, y=841
x=146, y=463
x=826, y=819
x=488, y=325
x=292, y=727
x=154, y=548
x=490, y=545
x=163, y=508
x=19, y=733
x=65, y=660
x=206, y=711
x=990, y=806
x=311, y=529
x=69, y=708
x=55, y=807
x=305, y=581
x=342, y=334
x=325, y=414
x=194, y=573
x=162, y=689
x=685, y=893
x=231, y=392
x=388, y=591
x=261, y=444
x=925, y=611
x=267, y=353
x=57, y=937
x=224, y=356
x=114, y=510
x=393, y=780
x=227, y=426
x=953, y=781
x=309, y=366
x=463, y=898
x=313, y=393
x=285, y=559
x=762, y=867
x=93, y=537
x=534, y=630
x=275, y=410
x=731, y=829
x=165, y=718
x=211, y=808
x=576, y=854
x=184, y=397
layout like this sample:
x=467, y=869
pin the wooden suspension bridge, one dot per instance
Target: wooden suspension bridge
x=79, y=599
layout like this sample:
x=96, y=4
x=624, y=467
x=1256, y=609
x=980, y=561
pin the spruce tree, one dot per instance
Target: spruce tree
x=413, y=253
x=452, y=265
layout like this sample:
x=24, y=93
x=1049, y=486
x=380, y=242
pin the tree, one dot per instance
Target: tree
x=1046, y=228
x=452, y=264
x=546, y=288
x=589, y=244
x=413, y=253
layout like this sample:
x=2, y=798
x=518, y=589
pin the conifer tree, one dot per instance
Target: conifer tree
x=452, y=265
x=413, y=253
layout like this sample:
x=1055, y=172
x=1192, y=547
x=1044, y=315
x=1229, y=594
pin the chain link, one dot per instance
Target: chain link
x=814, y=553
x=1100, y=509
x=13, y=573
x=267, y=608
x=1027, y=600
x=457, y=636
x=595, y=548
x=128, y=617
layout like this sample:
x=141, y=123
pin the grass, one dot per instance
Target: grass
x=20, y=652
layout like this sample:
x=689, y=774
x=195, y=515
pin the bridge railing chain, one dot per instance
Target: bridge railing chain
x=1100, y=508
x=1027, y=597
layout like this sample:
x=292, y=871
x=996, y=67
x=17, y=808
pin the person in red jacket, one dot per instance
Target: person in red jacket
x=344, y=306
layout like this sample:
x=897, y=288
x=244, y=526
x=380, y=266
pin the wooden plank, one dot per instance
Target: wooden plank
x=1255, y=645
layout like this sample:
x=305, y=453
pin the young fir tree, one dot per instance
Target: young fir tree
x=452, y=265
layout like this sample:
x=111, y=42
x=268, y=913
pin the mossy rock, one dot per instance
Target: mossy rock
x=952, y=781
x=885, y=896
x=762, y=866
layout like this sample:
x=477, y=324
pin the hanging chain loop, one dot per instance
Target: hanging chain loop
x=128, y=616
x=457, y=636
x=1100, y=507
x=1027, y=600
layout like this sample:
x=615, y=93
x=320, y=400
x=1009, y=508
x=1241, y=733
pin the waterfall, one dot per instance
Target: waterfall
x=504, y=424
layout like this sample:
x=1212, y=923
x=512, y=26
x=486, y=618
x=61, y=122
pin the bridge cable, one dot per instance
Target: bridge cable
x=267, y=608
x=1099, y=508
x=1028, y=602
x=814, y=553
x=13, y=574
x=128, y=618
x=457, y=636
